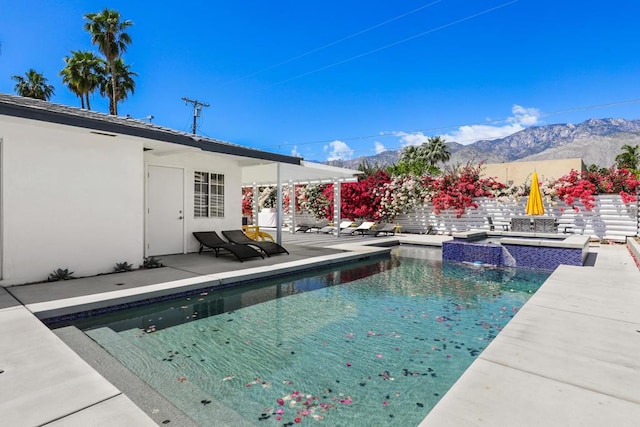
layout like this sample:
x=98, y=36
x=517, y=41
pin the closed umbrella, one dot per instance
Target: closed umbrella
x=534, y=204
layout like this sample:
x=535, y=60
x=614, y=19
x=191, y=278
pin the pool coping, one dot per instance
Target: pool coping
x=73, y=305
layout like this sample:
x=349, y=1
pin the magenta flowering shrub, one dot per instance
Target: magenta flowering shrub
x=456, y=191
x=584, y=186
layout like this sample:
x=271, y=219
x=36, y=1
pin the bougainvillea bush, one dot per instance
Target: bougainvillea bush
x=456, y=191
x=584, y=186
x=377, y=196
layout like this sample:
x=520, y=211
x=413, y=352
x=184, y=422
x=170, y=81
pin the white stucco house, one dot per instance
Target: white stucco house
x=84, y=190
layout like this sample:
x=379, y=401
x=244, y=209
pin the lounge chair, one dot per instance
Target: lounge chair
x=319, y=224
x=304, y=227
x=364, y=228
x=211, y=240
x=268, y=248
x=326, y=229
x=346, y=228
x=385, y=229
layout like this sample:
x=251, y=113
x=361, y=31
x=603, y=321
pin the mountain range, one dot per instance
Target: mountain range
x=596, y=141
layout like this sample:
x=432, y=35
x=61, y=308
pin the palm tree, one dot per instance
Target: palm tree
x=109, y=34
x=629, y=158
x=125, y=84
x=437, y=150
x=33, y=85
x=82, y=74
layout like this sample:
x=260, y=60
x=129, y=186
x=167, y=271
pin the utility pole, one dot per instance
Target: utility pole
x=197, y=107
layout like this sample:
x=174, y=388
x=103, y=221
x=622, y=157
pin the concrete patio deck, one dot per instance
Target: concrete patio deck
x=569, y=357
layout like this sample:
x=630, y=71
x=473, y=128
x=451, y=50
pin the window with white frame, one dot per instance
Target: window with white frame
x=208, y=190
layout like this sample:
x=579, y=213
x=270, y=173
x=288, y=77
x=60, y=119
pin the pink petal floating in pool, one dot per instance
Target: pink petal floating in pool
x=305, y=412
x=280, y=411
x=298, y=420
x=448, y=356
x=379, y=356
x=351, y=335
x=397, y=349
x=385, y=403
x=280, y=402
x=348, y=364
x=278, y=417
x=182, y=378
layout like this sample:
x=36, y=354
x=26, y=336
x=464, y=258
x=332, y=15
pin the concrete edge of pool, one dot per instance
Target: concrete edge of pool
x=39, y=371
x=49, y=309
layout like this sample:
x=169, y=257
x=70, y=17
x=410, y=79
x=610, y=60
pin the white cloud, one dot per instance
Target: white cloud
x=522, y=118
x=525, y=116
x=414, y=138
x=295, y=152
x=379, y=147
x=338, y=150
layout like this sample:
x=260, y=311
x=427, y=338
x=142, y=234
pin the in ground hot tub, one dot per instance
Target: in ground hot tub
x=544, y=252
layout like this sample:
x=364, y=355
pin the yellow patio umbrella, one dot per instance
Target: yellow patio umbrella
x=534, y=204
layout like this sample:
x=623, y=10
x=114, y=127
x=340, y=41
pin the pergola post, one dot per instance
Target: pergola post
x=255, y=208
x=292, y=206
x=278, y=205
x=336, y=206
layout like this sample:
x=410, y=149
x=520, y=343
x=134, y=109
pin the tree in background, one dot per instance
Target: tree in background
x=422, y=159
x=82, y=74
x=123, y=76
x=629, y=158
x=33, y=85
x=436, y=151
x=109, y=34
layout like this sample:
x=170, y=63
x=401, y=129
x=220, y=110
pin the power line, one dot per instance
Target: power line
x=328, y=45
x=387, y=46
x=197, y=109
x=441, y=128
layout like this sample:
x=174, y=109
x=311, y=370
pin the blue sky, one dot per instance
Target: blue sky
x=343, y=79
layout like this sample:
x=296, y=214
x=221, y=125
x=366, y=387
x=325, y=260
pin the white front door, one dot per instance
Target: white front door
x=165, y=211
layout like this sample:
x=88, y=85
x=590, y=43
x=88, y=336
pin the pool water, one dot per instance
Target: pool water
x=377, y=344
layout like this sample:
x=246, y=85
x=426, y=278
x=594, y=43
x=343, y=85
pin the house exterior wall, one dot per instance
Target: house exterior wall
x=71, y=199
x=198, y=161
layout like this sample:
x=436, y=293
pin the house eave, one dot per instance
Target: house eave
x=135, y=128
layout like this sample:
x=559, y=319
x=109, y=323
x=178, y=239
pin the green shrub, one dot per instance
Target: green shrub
x=122, y=266
x=60, y=274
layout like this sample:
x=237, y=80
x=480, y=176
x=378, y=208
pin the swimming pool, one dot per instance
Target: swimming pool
x=378, y=343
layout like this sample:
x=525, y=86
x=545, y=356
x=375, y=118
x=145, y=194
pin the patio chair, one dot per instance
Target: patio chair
x=492, y=226
x=545, y=225
x=268, y=248
x=521, y=224
x=211, y=240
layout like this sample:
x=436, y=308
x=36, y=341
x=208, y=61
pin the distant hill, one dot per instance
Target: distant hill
x=596, y=141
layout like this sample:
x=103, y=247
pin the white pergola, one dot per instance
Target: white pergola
x=306, y=173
